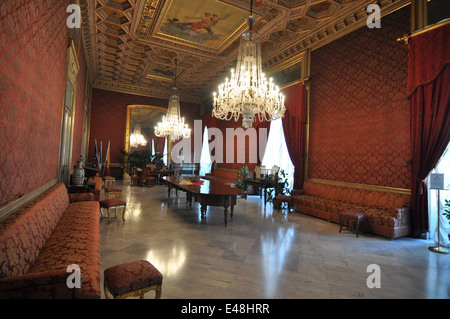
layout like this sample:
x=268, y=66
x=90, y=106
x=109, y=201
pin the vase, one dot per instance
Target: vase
x=78, y=174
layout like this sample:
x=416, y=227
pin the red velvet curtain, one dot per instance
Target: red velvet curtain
x=429, y=96
x=158, y=143
x=294, y=127
x=261, y=147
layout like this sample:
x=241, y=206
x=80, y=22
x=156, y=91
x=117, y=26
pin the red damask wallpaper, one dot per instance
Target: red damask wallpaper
x=33, y=51
x=359, y=113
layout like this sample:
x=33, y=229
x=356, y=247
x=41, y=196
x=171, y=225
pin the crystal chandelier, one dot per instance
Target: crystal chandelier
x=248, y=92
x=137, y=139
x=172, y=125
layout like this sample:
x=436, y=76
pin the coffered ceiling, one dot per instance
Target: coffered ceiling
x=133, y=45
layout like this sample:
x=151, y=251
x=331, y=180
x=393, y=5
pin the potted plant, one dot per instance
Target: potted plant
x=243, y=173
x=446, y=212
x=279, y=185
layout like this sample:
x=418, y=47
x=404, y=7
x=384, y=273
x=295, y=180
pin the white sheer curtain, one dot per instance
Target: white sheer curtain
x=205, y=158
x=443, y=167
x=153, y=147
x=277, y=153
x=165, y=152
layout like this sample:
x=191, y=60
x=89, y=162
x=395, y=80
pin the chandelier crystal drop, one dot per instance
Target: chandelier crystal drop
x=137, y=139
x=248, y=92
x=172, y=125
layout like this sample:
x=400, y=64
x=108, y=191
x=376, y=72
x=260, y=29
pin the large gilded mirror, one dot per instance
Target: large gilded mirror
x=139, y=132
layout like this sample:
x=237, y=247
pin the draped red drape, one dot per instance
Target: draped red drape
x=429, y=97
x=159, y=144
x=294, y=127
x=261, y=147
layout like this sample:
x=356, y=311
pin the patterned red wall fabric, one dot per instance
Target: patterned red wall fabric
x=359, y=114
x=33, y=51
x=109, y=116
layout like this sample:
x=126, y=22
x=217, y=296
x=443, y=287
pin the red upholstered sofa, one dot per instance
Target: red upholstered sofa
x=40, y=241
x=387, y=214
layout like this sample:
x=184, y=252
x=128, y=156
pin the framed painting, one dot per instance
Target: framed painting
x=160, y=71
x=291, y=71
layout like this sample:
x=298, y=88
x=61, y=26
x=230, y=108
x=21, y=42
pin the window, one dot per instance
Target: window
x=205, y=158
x=443, y=167
x=277, y=153
x=164, y=152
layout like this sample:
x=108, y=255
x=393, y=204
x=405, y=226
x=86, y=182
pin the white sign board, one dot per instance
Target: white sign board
x=437, y=181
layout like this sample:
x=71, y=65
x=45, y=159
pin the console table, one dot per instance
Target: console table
x=262, y=184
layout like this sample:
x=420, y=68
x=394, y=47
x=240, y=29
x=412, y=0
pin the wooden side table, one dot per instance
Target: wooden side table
x=351, y=217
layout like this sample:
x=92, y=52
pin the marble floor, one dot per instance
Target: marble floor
x=265, y=254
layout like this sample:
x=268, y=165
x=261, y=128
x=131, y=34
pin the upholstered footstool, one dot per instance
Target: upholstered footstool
x=280, y=199
x=132, y=279
x=113, y=192
x=111, y=203
x=351, y=216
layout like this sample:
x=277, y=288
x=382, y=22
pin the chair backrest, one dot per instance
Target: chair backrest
x=145, y=171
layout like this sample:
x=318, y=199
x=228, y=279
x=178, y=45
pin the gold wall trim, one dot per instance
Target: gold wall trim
x=362, y=186
x=13, y=206
x=137, y=106
x=127, y=128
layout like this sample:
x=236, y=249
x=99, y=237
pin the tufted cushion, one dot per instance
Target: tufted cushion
x=112, y=202
x=131, y=276
x=81, y=197
x=283, y=198
x=112, y=189
x=24, y=233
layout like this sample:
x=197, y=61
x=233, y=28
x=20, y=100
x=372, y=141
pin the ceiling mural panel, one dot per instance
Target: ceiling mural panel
x=206, y=22
x=132, y=45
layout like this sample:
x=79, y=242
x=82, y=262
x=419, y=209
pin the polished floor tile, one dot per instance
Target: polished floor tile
x=264, y=253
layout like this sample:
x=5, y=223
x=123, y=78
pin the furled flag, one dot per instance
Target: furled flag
x=95, y=159
x=107, y=160
x=99, y=157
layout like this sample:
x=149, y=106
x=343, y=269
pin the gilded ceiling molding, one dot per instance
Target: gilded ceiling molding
x=140, y=90
x=125, y=39
x=337, y=29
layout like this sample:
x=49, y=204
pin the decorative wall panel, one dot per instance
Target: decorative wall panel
x=33, y=51
x=359, y=114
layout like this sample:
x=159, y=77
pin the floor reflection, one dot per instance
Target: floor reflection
x=167, y=261
x=264, y=253
x=275, y=249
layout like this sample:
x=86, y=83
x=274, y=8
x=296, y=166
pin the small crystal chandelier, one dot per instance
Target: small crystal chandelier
x=137, y=139
x=173, y=124
x=248, y=92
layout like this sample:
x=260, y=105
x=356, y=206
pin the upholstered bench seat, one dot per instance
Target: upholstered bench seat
x=132, y=279
x=41, y=239
x=83, y=250
x=386, y=214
